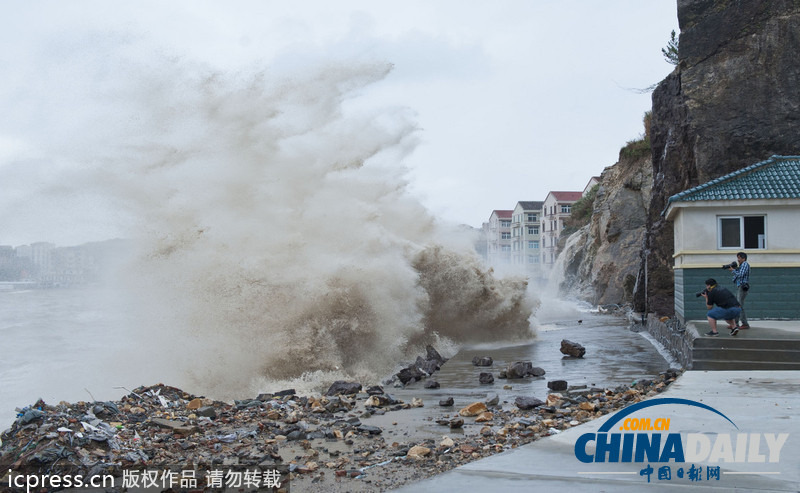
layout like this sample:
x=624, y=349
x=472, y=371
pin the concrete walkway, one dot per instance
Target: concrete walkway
x=756, y=402
x=764, y=329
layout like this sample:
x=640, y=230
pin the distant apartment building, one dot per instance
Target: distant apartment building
x=42, y=257
x=526, y=236
x=595, y=180
x=556, y=207
x=498, y=237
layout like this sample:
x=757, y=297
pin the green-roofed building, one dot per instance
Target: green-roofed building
x=756, y=210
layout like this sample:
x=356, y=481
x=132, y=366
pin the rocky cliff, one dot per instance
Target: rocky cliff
x=732, y=101
x=601, y=260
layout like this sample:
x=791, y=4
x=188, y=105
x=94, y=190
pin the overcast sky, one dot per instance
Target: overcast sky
x=512, y=98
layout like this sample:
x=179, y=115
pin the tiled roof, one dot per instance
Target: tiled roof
x=530, y=205
x=503, y=214
x=567, y=196
x=776, y=178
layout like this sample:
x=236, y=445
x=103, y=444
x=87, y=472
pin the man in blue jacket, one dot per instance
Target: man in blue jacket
x=741, y=277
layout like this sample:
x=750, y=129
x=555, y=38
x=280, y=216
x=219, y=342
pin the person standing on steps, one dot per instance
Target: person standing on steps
x=727, y=307
x=741, y=277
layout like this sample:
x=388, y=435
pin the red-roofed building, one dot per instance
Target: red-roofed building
x=557, y=206
x=498, y=237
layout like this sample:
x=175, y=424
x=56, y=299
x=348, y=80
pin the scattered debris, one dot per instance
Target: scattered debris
x=314, y=440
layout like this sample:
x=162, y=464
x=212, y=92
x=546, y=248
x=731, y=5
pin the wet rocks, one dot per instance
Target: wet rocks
x=485, y=378
x=482, y=361
x=572, y=349
x=342, y=387
x=422, y=367
x=521, y=369
x=526, y=403
x=318, y=439
x=557, y=385
x=473, y=409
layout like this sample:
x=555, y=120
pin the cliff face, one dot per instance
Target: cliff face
x=602, y=260
x=732, y=101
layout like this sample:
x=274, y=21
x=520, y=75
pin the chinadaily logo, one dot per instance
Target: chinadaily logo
x=642, y=434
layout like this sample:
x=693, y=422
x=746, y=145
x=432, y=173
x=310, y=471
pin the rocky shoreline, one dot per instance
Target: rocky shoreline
x=316, y=443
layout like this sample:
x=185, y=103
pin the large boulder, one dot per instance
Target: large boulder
x=572, y=349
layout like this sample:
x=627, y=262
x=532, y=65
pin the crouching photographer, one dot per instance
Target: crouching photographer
x=727, y=307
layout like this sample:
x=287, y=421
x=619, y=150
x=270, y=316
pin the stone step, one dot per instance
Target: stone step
x=700, y=364
x=742, y=342
x=746, y=354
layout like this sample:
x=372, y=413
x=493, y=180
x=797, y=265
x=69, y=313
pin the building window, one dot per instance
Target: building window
x=533, y=230
x=533, y=244
x=566, y=209
x=742, y=232
x=532, y=218
x=505, y=236
x=533, y=259
x=505, y=224
x=505, y=248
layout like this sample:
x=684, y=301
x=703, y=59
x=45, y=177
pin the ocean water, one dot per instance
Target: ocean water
x=86, y=344
x=62, y=344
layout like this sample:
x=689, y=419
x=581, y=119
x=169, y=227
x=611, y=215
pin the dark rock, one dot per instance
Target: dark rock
x=381, y=400
x=375, y=390
x=485, y=378
x=519, y=369
x=526, y=403
x=557, y=385
x=432, y=354
x=482, y=361
x=492, y=400
x=247, y=403
x=447, y=402
x=342, y=387
x=296, y=435
x=456, y=423
x=522, y=369
x=410, y=374
x=432, y=384
x=429, y=366
x=572, y=349
x=207, y=412
x=372, y=430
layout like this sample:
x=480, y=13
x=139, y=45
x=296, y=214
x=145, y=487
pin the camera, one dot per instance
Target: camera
x=732, y=265
x=701, y=293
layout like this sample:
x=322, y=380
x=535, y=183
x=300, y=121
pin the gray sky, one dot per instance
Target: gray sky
x=512, y=98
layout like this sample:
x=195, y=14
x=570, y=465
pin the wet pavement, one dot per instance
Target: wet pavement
x=756, y=403
x=614, y=356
